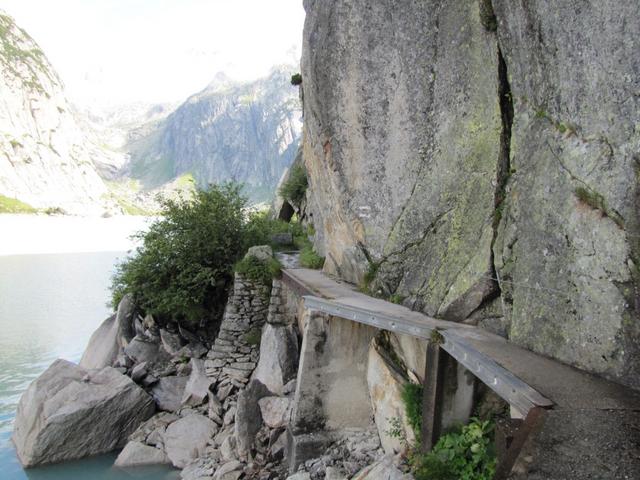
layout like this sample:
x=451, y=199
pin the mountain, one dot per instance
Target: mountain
x=48, y=159
x=246, y=132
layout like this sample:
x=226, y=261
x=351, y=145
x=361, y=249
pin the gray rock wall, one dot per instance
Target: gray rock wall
x=483, y=168
x=234, y=354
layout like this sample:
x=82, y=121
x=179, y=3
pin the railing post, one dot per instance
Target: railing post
x=432, y=393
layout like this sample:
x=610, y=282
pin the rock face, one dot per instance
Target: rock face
x=46, y=159
x=245, y=132
x=69, y=413
x=488, y=169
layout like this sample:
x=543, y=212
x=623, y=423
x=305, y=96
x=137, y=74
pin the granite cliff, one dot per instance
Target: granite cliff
x=246, y=132
x=479, y=160
x=47, y=157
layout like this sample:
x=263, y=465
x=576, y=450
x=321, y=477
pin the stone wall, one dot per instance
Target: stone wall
x=234, y=354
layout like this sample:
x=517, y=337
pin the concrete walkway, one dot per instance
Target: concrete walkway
x=590, y=427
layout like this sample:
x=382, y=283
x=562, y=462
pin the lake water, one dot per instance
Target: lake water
x=52, y=297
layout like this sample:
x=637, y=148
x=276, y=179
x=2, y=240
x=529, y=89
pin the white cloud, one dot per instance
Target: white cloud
x=120, y=51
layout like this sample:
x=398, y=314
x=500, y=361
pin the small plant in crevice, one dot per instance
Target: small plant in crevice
x=296, y=79
x=395, y=429
x=412, y=399
x=295, y=187
x=396, y=298
x=597, y=202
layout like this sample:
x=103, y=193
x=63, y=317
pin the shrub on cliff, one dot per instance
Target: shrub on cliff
x=183, y=267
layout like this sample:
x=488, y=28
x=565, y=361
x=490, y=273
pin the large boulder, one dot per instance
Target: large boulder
x=69, y=413
x=385, y=390
x=278, y=362
x=186, y=439
x=168, y=392
x=111, y=337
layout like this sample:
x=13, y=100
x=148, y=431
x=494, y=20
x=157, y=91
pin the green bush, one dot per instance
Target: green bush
x=183, y=267
x=294, y=188
x=262, y=271
x=296, y=79
x=467, y=454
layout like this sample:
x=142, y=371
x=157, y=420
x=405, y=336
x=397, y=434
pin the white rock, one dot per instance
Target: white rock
x=186, y=439
x=278, y=363
x=69, y=413
x=275, y=411
x=385, y=391
x=136, y=454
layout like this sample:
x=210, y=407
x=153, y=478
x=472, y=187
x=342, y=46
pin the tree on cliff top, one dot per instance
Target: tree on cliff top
x=183, y=267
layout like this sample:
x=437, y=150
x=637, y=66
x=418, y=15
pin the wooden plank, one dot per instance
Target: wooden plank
x=502, y=381
x=511, y=388
x=432, y=396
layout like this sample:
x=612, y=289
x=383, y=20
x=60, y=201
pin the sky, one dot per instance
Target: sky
x=115, y=52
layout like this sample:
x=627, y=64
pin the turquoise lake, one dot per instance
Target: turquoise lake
x=50, y=303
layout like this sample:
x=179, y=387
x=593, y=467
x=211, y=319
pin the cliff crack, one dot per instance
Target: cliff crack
x=503, y=171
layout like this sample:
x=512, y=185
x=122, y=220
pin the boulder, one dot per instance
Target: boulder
x=69, y=413
x=110, y=337
x=385, y=390
x=139, y=372
x=384, y=469
x=142, y=349
x=168, y=392
x=196, y=390
x=136, y=454
x=248, y=417
x=186, y=439
x=275, y=411
x=261, y=252
x=278, y=363
x=172, y=342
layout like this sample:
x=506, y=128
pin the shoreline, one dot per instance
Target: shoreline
x=26, y=234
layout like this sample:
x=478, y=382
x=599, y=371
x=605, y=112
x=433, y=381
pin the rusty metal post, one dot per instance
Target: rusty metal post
x=432, y=395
